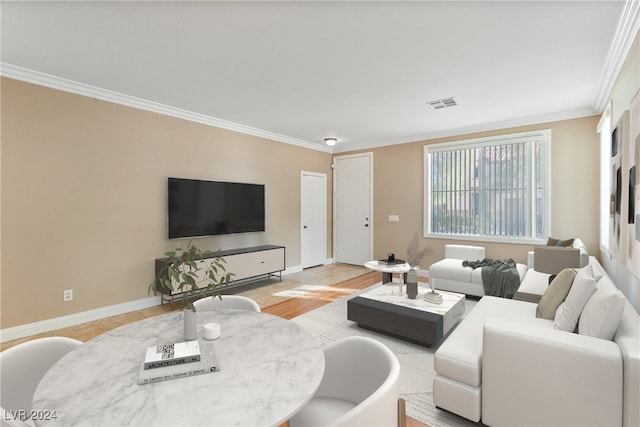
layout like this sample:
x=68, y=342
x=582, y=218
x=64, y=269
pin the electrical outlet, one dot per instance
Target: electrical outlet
x=68, y=295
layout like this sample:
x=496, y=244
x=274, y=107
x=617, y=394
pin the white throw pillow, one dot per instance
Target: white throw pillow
x=567, y=315
x=578, y=244
x=602, y=313
x=584, y=255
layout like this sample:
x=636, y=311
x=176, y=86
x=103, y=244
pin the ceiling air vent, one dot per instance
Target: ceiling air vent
x=443, y=103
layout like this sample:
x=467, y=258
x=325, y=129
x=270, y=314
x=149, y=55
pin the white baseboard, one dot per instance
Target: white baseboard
x=294, y=269
x=49, y=325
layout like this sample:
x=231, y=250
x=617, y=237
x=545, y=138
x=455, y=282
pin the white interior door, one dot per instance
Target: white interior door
x=353, y=208
x=313, y=219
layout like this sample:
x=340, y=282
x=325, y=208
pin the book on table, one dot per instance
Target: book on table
x=163, y=355
x=394, y=262
x=208, y=363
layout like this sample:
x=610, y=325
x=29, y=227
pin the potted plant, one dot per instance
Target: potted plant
x=186, y=272
x=414, y=256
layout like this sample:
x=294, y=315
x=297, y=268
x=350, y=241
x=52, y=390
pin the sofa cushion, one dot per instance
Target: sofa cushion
x=450, y=269
x=602, y=312
x=522, y=271
x=459, y=357
x=476, y=276
x=567, y=315
x=584, y=255
x=552, y=259
x=555, y=294
x=464, y=252
x=534, y=282
x=578, y=244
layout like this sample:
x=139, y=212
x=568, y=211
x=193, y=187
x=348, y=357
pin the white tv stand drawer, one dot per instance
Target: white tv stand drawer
x=255, y=263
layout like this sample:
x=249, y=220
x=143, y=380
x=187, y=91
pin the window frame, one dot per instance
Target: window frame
x=544, y=136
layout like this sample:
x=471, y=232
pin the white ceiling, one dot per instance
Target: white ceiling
x=300, y=71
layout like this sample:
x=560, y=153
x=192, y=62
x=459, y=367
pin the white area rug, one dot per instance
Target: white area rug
x=329, y=323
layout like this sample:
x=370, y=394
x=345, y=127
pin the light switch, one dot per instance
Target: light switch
x=394, y=218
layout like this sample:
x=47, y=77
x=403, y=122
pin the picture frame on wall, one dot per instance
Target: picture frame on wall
x=633, y=163
x=631, y=211
x=619, y=163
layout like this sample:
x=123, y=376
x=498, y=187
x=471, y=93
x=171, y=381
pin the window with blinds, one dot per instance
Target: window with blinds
x=489, y=188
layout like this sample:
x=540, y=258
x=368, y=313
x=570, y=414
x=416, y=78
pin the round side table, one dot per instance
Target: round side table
x=388, y=271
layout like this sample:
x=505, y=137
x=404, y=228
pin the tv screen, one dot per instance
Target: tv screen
x=208, y=208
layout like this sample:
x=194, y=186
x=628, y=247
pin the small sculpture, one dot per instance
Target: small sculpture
x=433, y=296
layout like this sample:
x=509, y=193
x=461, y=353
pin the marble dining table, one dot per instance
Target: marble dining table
x=269, y=368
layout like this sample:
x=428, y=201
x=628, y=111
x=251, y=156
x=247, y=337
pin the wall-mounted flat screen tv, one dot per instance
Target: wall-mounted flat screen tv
x=208, y=208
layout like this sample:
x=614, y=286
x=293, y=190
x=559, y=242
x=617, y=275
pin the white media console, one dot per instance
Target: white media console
x=247, y=265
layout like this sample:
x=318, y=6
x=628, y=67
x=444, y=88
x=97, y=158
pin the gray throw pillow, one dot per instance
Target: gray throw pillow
x=568, y=243
x=555, y=294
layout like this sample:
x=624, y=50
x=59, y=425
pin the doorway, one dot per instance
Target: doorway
x=353, y=208
x=313, y=219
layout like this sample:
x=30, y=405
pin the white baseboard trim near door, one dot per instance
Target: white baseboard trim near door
x=49, y=325
x=294, y=269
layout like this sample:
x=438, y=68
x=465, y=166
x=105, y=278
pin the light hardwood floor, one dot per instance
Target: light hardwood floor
x=335, y=280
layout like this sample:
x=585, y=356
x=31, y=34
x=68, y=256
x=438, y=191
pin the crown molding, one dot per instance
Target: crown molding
x=628, y=27
x=58, y=83
x=484, y=127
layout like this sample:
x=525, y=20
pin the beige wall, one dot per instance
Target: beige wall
x=83, y=196
x=399, y=184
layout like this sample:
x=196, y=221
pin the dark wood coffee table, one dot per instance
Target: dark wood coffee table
x=414, y=320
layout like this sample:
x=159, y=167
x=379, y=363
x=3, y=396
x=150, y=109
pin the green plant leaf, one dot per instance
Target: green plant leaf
x=187, y=275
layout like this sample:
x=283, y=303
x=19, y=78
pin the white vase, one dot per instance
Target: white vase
x=190, y=325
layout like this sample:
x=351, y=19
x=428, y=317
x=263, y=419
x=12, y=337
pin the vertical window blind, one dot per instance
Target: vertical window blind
x=490, y=188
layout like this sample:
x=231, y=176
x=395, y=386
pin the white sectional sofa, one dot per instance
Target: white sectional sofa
x=506, y=367
x=449, y=274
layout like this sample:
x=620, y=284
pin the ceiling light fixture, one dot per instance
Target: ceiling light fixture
x=330, y=141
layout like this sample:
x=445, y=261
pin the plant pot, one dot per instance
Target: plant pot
x=190, y=324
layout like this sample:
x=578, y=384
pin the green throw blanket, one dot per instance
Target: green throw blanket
x=500, y=277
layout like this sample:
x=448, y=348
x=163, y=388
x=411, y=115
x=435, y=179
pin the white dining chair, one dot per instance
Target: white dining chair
x=227, y=301
x=24, y=365
x=360, y=387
